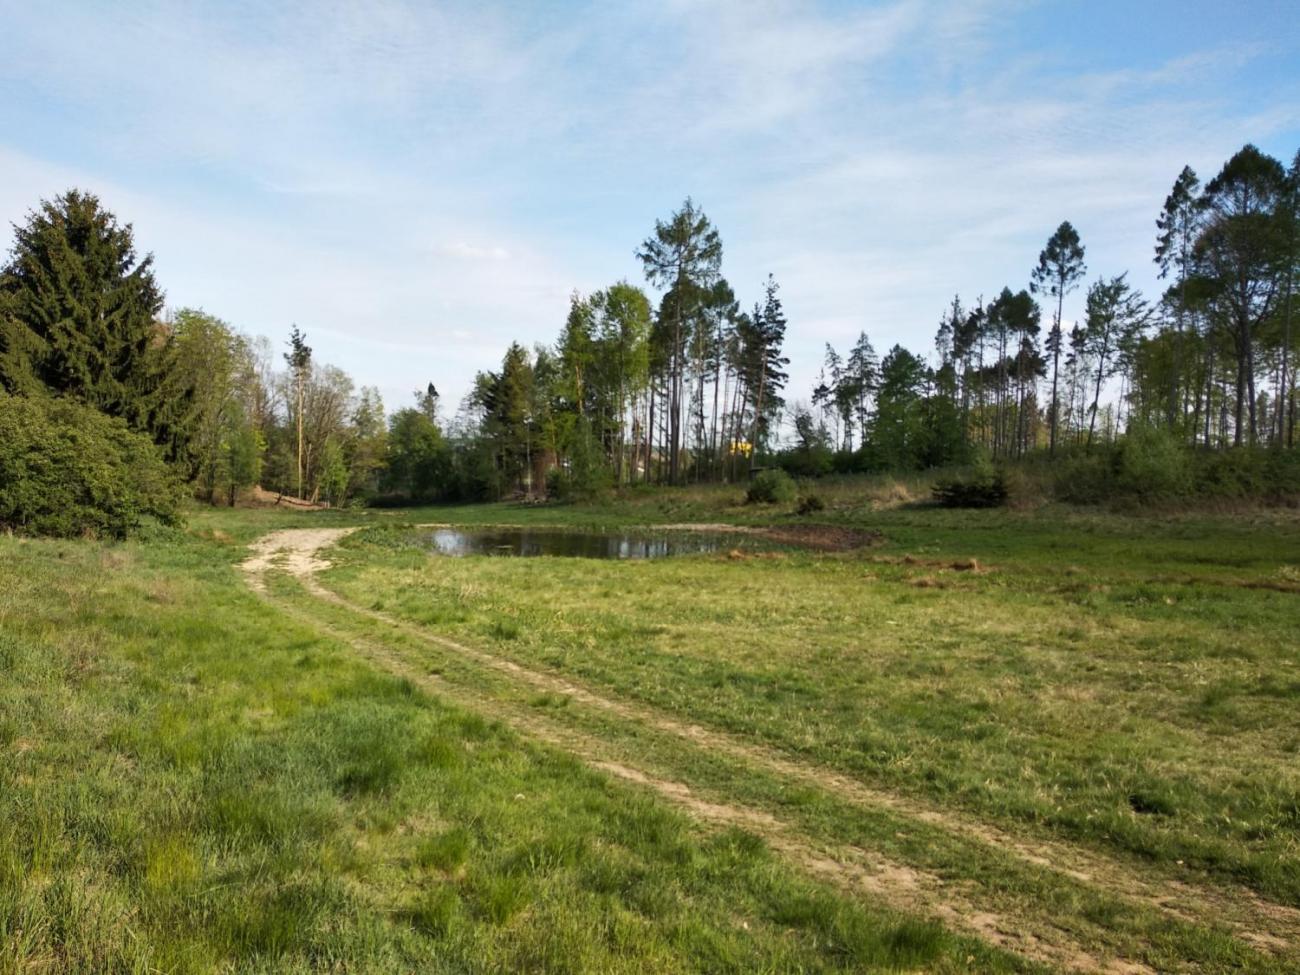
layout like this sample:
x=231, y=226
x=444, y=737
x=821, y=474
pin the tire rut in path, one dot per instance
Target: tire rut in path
x=851, y=869
x=1259, y=922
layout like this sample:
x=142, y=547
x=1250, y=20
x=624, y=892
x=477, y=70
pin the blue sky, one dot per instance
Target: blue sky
x=416, y=183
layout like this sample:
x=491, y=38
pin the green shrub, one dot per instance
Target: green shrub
x=1084, y=479
x=771, y=487
x=1150, y=464
x=983, y=487
x=579, y=484
x=1154, y=465
x=1242, y=472
x=811, y=504
x=69, y=470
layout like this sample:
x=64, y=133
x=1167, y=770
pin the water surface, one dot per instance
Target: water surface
x=570, y=544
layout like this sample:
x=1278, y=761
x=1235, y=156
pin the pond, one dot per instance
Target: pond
x=570, y=544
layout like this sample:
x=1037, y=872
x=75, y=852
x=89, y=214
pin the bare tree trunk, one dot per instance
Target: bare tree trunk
x=1056, y=359
x=1252, y=405
x=299, y=411
x=650, y=432
x=675, y=391
x=1240, y=407
x=1285, y=383
x=1096, y=397
x=713, y=423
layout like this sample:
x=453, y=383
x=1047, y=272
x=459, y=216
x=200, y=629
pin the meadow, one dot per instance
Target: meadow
x=1010, y=740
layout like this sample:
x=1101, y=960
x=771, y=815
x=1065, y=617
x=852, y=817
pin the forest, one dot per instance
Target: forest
x=113, y=407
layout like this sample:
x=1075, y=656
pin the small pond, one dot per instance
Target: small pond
x=571, y=544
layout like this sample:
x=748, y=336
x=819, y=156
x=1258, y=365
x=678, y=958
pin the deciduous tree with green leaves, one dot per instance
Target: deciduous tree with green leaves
x=1115, y=318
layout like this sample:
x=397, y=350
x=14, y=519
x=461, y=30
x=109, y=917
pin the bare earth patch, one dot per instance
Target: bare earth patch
x=822, y=538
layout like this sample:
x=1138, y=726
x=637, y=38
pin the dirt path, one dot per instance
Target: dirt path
x=295, y=550
x=1266, y=925
x=851, y=869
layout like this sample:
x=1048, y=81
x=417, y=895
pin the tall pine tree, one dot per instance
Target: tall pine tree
x=1060, y=268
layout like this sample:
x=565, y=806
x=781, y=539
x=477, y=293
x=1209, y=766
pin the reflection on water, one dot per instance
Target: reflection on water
x=583, y=545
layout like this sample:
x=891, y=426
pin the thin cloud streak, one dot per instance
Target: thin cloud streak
x=435, y=180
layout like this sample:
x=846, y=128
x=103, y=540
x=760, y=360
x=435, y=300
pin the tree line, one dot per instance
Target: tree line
x=84, y=336
x=634, y=391
x=674, y=382
x=1210, y=363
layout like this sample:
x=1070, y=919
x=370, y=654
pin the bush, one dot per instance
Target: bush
x=1153, y=465
x=1150, y=464
x=810, y=504
x=579, y=484
x=771, y=486
x=816, y=461
x=983, y=487
x=1242, y=472
x=1084, y=478
x=69, y=470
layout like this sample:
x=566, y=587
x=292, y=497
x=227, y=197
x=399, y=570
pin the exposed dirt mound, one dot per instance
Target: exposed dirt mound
x=961, y=565
x=295, y=550
x=258, y=497
x=824, y=538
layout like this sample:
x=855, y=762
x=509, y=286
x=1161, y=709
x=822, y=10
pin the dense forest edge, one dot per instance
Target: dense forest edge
x=114, y=409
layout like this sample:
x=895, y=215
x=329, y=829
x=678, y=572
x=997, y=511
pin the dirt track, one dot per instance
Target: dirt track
x=1270, y=927
x=295, y=550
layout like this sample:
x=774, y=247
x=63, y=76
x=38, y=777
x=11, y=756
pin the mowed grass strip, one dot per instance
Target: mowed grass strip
x=1132, y=683
x=192, y=782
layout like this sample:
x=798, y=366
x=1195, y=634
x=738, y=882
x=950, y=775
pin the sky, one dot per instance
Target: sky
x=416, y=184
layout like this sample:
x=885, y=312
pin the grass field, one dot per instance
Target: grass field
x=1049, y=739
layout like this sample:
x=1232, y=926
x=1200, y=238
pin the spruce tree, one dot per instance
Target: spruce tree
x=861, y=377
x=768, y=363
x=79, y=312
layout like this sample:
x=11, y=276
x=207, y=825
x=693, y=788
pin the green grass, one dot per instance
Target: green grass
x=193, y=781
x=1130, y=683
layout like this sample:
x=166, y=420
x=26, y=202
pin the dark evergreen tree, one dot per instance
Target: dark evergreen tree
x=898, y=427
x=861, y=377
x=768, y=363
x=80, y=310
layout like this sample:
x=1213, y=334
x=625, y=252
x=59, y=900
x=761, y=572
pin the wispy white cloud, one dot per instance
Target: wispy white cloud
x=418, y=183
